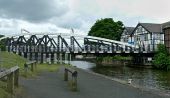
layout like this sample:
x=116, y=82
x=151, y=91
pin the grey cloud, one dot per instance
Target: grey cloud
x=71, y=24
x=69, y=20
x=32, y=10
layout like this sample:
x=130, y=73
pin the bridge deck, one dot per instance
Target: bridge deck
x=51, y=85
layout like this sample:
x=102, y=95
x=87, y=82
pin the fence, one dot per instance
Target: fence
x=32, y=64
x=12, y=75
x=73, y=77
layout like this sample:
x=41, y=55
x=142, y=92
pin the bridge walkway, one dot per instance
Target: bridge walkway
x=51, y=85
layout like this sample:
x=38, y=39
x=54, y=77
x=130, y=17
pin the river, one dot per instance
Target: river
x=148, y=78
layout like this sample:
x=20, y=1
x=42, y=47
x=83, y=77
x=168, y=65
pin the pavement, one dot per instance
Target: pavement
x=52, y=85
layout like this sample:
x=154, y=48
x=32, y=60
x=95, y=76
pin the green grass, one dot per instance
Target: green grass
x=40, y=68
x=8, y=60
x=47, y=67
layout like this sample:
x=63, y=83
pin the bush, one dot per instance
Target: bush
x=118, y=57
x=2, y=43
x=111, y=58
x=162, y=58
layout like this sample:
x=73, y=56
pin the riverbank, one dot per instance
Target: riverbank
x=125, y=82
x=110, y=61
x=89, y=86
x=144, y=77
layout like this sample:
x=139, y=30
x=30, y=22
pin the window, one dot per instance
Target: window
x=145, y=37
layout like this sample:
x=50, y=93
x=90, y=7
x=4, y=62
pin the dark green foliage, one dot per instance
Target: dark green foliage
x=107, y=28
x=162, y=58
x=111, y=58
x=2, y=43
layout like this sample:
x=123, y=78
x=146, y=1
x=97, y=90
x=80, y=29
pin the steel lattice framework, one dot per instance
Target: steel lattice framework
x=66, y=43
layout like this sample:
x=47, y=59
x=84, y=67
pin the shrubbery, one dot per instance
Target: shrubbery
x=2, y=43
x=162, y=58
x=110, y=58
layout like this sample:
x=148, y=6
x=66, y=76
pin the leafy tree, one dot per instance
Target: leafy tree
x=162, y=58
x=107, y=28
x=2, y=43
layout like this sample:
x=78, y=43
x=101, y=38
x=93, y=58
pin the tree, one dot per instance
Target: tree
x=2, y=43
x=162, y=58
x=107, y=28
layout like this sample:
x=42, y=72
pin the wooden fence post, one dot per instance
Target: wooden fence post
x=74, y=80
x=16, y=77
x=10, y=82
x=66, y=75
x=12, y=75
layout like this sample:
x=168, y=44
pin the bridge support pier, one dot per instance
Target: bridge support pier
x=61, y=59
x=22, y=54
x=69, y=58
x=7, y=48
x=44, y=58
x=58, y=58
x=39, y=58
x=140, y=59
x=49, y=58
x=10, y=48
x=33, y=56
x=66, y=58
x=55, y=58
x=28, y=56
x=17, y=49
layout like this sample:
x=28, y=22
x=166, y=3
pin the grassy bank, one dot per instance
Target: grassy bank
x=8, y=60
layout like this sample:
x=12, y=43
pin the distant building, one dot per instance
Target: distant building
x=126, y=35
x=148, y=36
x=166, y=30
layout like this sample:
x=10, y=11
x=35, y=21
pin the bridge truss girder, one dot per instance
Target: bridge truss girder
x=59, y=44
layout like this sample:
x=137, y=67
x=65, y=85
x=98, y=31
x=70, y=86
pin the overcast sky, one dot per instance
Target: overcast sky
x=62, y=15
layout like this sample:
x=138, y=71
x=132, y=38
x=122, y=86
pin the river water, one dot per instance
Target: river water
x=148, y=78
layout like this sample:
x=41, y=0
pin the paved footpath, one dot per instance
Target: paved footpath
x=51, y=85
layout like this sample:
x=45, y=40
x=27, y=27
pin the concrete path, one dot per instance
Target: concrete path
x=51, y=85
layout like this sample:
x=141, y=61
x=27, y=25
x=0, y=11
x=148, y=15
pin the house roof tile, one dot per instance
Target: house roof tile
x=129, y=30
x=151, y=27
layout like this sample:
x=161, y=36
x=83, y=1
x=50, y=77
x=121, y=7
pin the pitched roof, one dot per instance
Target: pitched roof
x=151, y=27
x=166, y=25
x=129, y=30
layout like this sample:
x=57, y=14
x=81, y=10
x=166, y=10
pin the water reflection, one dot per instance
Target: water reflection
x=153, y=79
x=83, y=64
x=148, y=78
